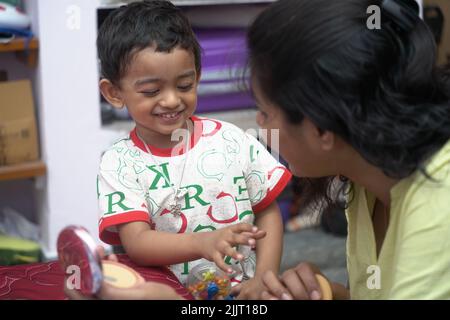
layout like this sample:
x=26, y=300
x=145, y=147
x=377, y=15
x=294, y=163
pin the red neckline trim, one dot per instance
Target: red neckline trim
x=169, y=152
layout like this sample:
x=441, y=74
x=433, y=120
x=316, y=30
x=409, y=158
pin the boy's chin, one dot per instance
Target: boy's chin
x=168, y=130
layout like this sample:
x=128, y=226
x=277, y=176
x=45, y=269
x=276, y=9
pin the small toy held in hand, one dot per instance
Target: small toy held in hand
x=207, y=282
x=77, y=251
x=327, y=293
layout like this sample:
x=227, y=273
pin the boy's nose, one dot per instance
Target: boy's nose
x=170, y=100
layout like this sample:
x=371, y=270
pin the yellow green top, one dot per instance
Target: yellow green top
x=414, y=261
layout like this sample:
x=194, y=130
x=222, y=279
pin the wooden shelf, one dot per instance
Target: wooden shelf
x=22, y=171
x=25, y=53
x=19, y=44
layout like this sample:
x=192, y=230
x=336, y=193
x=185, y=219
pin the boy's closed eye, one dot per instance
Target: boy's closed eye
x=186, y=87
x=150, y=93
x=154, y=92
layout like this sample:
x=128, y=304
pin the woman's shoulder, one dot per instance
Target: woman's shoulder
x=426, y=195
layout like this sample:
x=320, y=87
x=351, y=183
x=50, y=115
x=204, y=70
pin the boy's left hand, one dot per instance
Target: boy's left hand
x=249, y=290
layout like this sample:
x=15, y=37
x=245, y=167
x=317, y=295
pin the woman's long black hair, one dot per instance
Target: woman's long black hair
x=378, y=89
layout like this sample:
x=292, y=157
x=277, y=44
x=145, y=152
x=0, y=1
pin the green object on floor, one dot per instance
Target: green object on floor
x=11, y=2
x=18, y=251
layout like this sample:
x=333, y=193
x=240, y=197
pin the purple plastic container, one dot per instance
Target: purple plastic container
x=223, y=63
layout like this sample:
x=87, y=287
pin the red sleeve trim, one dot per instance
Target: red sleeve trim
x=126, y=217
x=274, y=193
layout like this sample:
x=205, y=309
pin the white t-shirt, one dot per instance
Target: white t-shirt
x=229, y=176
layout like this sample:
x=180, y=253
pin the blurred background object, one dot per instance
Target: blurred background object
x=12, y=17
x=437, y=16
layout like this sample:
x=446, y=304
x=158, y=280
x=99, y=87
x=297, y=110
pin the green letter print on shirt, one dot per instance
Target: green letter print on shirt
x=118, y=202
x=256, y=180
x=98, y=190
x=240, y=188
x=221, y=160
x=129, y=167
x=152, y=206
x=196, y=196
x=253, y=156
x=164, y=174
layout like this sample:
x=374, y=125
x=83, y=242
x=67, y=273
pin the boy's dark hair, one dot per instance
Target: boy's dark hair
x=379, y=90
x=139, y=25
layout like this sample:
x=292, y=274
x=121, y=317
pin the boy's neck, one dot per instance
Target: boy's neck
x=158, y=140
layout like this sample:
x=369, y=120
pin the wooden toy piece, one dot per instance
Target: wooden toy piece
x=119, y=275
x=325, y=287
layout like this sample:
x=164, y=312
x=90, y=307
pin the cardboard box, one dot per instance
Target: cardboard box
x=444, y=48
x=18, y=134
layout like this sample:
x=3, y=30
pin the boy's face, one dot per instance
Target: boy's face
x=159, y=90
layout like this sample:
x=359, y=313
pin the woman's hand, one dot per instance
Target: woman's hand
x=249, y=290
x=299, y=283
x=215, y=245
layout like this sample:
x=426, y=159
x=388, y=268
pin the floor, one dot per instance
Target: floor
x=315, y=245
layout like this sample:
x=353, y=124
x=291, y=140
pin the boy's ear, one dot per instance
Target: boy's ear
x=111, y=93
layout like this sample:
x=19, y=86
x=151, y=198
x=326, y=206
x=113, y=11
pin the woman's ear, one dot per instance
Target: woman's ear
x=111, y=93
x=325, y=140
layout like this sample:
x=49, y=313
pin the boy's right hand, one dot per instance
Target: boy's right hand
x=215, y=245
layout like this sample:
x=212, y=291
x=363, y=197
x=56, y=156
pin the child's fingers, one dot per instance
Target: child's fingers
x=218, y=260
x=232, y=252
x=259, y=234
x=243, y=227
x=256, y=235
x=246, y=240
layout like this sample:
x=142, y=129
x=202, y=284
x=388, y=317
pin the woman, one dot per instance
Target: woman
x=368, y=105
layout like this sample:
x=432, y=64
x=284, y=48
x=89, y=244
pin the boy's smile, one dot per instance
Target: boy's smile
x=160, y=91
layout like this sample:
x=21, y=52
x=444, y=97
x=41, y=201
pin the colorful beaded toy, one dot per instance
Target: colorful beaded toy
x=207, y=282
